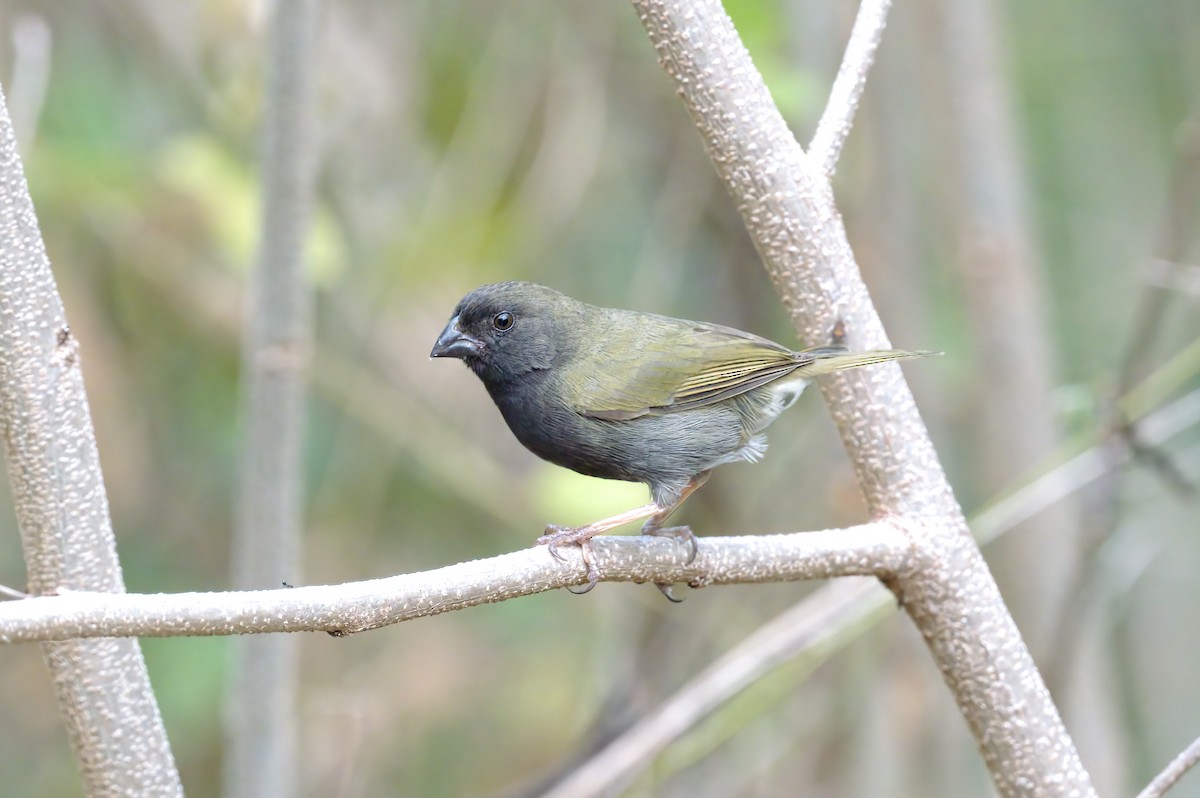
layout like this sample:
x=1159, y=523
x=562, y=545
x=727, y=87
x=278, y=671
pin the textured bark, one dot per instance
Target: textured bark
x=868, y=550
x=102, y=686
x=788, y=207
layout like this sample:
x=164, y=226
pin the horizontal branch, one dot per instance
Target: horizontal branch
x=879, y=549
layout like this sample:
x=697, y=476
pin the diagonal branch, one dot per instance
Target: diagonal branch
x=788, y=207
x=1173, y=772
x=878, y=549
x=830, y=617
x=834, y=127
x=831, y=614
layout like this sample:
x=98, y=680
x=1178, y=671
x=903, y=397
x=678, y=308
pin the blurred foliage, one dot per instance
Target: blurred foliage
x=467, y=142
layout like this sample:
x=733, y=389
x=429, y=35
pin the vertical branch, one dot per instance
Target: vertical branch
x=787, y=204
x=102, y=686
x=826, y=146
x=260, y=749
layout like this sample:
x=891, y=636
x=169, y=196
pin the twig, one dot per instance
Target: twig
x=12, y=593
x=1173, y=772
x=878, y=549
x=103, y=690
x=822, y=620
x=834, y=127
x=829, y=617
x=1177, y=226
x=1081, y=470
x=261, y=726
x=1121, y=415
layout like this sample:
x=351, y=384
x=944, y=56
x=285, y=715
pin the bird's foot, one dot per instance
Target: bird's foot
x=681, y=533
x=564, y=535
x=575, y=536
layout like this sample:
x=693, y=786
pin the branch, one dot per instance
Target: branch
x=788, y=207
x=1173, y=772
x=103, y=690
x=1083, y=469
x=878, y=549
x=260, y=716
x=829, y=618
x=834, y=127
x=821, y=620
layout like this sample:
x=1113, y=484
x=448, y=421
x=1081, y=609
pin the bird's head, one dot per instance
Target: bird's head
x=505, y=330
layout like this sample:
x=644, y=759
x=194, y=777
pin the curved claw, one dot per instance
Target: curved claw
x=683, y=533
x=665, y=589
x=693, y=544
x=591, y=583
x=552, y=547
x=556, y=536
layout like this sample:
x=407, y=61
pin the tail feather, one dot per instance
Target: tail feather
x=828, y=359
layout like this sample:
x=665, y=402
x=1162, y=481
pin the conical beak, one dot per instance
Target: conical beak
x=453, y=342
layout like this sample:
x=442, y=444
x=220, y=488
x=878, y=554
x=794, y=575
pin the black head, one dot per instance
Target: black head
x=504, y=330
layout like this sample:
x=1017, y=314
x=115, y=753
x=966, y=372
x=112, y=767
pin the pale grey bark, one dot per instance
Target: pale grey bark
x=819, y=625
x=848, y=87
x=102, y=686
x=1173, y=772
x=878, y=549
x=261, y=722
x=787, y=204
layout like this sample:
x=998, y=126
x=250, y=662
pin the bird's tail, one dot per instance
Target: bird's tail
x=828, y=359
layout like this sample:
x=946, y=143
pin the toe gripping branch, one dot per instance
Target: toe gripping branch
x=582, y=536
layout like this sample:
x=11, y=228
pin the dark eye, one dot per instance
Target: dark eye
x=503, y=321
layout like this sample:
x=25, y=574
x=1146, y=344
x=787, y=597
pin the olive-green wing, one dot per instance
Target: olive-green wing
x=670, y=365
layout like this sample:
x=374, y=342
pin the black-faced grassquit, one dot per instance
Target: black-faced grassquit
x=621, y=394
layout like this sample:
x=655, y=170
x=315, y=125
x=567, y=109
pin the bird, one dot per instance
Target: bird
x=629, y=395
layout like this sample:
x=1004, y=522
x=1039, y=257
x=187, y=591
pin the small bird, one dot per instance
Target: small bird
x=621, y=394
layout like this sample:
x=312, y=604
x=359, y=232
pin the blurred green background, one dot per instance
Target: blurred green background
x=466, y=142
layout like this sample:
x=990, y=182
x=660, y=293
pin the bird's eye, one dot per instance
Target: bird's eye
x=503, y=321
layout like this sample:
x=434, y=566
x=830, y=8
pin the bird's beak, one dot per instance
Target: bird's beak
x=453, y=342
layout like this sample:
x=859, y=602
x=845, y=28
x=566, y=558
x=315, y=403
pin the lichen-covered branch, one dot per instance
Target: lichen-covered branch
x=103, y=689
x=787, y=204
x=877, y=549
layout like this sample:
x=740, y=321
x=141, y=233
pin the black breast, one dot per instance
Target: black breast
x=658, y=450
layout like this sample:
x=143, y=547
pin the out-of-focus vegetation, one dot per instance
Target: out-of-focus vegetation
x=467, y=142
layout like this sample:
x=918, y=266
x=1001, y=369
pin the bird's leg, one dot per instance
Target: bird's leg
x=588, y=555
x=653, y=525
x=558, y=535
x=654, y=514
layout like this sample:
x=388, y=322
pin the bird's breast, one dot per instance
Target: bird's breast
x=655, y=449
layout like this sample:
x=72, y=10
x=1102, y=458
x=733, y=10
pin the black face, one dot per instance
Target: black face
x=504, y=330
